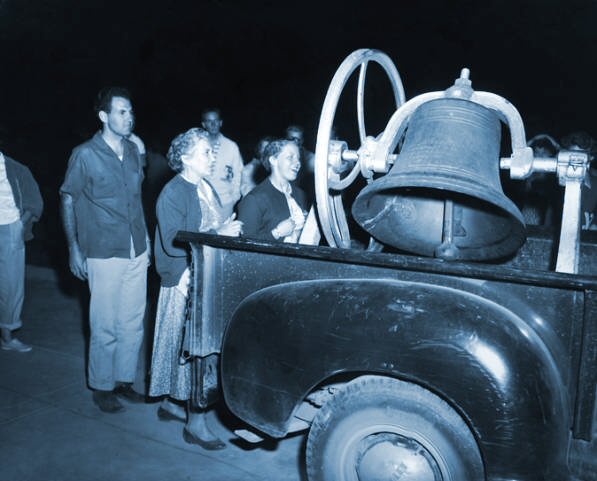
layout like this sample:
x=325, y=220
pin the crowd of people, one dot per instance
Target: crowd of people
x=109, y=243
x=110, y=246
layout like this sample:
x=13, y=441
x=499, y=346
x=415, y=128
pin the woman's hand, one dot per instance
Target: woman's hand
x=231, y=227
x=299, y=220
x=284, y=228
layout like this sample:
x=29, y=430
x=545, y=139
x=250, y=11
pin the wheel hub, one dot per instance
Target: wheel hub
x=392, y=457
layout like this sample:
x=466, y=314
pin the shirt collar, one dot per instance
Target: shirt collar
x=99, y=141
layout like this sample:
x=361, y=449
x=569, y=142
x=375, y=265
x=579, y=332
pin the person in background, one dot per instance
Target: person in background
x=306, y=177
x=188, y=202
x=228, y=168
x=108, y=245
x=541, y=202
x=583, y=142
x=21, y=205
x=253, y=172
x=276, y=209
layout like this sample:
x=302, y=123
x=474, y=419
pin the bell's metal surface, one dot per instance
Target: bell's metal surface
x=443, y=197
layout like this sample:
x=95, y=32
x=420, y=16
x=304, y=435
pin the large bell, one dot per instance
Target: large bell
x=443, y=196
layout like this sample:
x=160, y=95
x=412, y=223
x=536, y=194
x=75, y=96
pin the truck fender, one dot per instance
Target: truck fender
x=484, y=360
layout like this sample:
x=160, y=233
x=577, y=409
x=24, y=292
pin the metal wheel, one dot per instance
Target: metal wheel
x=329, y=204
x=382, y=429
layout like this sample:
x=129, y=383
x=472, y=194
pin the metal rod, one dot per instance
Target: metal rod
x=540, y=164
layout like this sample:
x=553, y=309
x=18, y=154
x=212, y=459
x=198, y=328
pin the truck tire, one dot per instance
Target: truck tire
x=382, y=429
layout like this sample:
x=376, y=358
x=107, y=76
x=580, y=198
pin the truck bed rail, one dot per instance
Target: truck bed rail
x=495, y=272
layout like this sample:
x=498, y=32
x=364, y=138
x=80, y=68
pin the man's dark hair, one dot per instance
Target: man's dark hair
x=103, y=102
x=295, y=128
x=204, y=112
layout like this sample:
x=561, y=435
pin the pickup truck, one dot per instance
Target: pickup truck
x=404, y=366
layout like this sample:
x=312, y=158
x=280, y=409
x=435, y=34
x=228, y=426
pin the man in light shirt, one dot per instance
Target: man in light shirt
x=228, y=168
x=20, y=206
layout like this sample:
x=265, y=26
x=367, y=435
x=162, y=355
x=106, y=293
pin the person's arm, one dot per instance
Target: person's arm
x=246, y=179
x=236, y=179
x=77, y=263
x=284, y=228
x=171, y=218
x=32, y=205
x=230, y=227
x=252, y=212
x=135, y=139
x=35, y=203
x=148, y=246
x=26, y=217
x=251, y=215
x=73, y=185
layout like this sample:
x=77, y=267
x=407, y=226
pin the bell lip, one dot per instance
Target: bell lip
x=501, y=249
x=439, y=183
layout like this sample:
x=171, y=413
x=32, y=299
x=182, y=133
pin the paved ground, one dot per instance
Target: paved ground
x=51, y=431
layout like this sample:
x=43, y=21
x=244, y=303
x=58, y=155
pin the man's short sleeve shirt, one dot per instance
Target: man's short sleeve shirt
x=106, y=192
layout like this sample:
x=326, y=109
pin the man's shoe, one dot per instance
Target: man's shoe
x=15, y=345
x=125, y=390
x=107, y=401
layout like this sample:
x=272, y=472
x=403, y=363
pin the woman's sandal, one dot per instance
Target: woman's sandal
x=165, y=415
x=212, y=445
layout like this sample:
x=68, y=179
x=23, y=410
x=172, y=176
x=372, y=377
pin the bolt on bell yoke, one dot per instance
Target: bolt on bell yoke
x=443, y=195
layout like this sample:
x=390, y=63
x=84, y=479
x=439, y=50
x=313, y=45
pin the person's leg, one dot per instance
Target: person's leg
x=5, y=335
x=12, y=284
x=170, y=410
x=169, y=379
x=12, y=290
x=196, y=430
x=105, y=283
x=129, y=324
x=104, y=276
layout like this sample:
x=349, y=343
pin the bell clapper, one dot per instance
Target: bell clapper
x=447, y=249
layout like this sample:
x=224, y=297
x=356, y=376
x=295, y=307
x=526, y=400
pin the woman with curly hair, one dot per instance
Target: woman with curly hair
x=276, y=209
x=189, y=203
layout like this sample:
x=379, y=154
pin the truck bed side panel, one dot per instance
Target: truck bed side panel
x=488, y=363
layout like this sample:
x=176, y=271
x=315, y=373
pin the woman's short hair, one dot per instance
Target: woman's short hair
x=182, y=144
x=272, y=150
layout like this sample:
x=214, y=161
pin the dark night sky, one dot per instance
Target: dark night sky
x=269, y=63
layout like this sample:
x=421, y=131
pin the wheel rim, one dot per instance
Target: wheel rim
x=331, y=212
x=387, y=453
